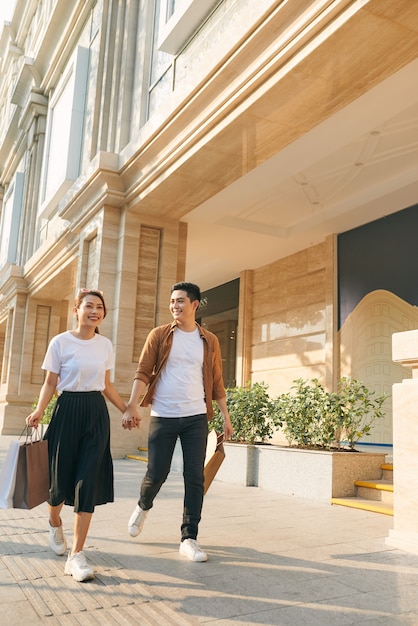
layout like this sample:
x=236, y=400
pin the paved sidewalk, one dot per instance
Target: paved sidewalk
x=272, y=560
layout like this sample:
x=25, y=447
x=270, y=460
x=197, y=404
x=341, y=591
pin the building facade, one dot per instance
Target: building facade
x=148, y=141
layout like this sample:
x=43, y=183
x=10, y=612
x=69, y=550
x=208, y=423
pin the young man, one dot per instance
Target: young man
x=181, y=366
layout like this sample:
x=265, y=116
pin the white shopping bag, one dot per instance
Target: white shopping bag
x=8, y=476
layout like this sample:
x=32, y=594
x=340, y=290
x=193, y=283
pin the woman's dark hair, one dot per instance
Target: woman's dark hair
x=90, y=292
x=192, y=290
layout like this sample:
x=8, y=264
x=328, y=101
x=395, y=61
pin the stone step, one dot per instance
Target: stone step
x=387, y=469
x=372, y=495
x=379, y=490
x=136, y=457
x=387, y=466
x=374, y=506
x=139, y=457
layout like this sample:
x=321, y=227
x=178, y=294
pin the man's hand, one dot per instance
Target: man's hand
x=131, y=419
x=228, y=428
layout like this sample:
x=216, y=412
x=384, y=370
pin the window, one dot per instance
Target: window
x=64, y=133
x=10, y=222
x=179, y=21
x=161, y=70
x=219, y=314
x=171, y=6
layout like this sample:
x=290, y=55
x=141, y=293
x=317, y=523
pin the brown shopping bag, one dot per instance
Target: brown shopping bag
x=215, y=455
x=32, y=474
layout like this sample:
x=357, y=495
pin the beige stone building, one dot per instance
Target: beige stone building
x=228, y=142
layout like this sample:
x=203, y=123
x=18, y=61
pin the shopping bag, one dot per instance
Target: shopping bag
x=215, y=455
x=32, y=474
x=8, y=476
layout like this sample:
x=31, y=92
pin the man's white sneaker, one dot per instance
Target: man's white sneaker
x=57, y=541
x=191, y=549
x=136, y=521
x=76, y=566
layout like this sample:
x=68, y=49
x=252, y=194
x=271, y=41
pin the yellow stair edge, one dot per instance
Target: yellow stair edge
x=365, y=505
x=136, y=457
x=387, y=466
x=380, y=485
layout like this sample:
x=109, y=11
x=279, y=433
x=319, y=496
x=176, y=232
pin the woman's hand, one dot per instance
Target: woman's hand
x=34, y=418
x=46, y=393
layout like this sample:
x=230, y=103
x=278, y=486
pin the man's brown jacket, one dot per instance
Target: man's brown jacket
x=155, y=353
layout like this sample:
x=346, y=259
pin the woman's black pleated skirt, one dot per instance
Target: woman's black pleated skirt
x=81, y=467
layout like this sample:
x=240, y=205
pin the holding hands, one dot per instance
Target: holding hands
x=131, y=418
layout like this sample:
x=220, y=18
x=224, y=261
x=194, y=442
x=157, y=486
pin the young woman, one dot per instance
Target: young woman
x=78, y=364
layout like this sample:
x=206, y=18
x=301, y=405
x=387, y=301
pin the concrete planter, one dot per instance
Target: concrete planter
x=314, y=474
x=240, y=465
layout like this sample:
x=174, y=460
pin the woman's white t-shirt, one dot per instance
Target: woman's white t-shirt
x=81, y=364
x=179, y=391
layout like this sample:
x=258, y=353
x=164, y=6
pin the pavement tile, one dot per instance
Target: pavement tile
x=272, y=560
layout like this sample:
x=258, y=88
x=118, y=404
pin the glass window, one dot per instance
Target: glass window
x=10, y=220
x=171, y=7
x=219, y=314
x=64, y=132
x=161, y=74
x=224, y=326
x=180, y=21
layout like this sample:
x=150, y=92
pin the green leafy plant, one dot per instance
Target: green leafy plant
x=253, y=414
x=46, y=418
x=310, y=416
x=357, y=408
x=315, y=418
x=308, y=413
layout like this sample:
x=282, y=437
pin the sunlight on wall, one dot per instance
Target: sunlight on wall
x=366, y=348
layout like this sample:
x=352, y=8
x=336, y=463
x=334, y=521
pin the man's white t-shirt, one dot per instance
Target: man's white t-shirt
x=179, y=391
x=80, y=363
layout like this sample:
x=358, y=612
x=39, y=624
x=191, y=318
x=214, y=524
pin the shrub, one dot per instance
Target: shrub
x=253, y=414
x=358, y=408
x=312, y=417
x=308, y=415
x=315, y=418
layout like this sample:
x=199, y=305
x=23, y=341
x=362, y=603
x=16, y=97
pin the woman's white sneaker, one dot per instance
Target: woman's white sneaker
x=191, y=549
x=77, y=567
x=57, y=541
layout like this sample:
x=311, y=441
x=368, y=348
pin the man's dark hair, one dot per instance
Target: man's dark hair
x=192, y=290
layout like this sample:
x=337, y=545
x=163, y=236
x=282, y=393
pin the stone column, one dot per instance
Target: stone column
x=13, y=408
x=245, y=325
x=137, y=261
x=331, y=309
x=405, y=437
